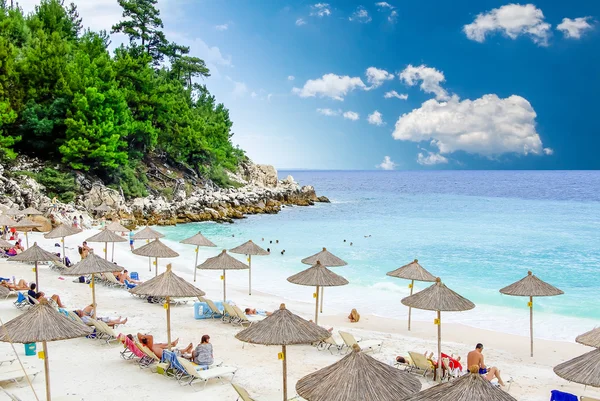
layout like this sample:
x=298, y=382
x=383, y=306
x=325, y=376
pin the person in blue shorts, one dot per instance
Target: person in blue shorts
x=475, y=357
x=131, y=240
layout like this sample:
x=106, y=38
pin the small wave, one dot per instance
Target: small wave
x=387, y=286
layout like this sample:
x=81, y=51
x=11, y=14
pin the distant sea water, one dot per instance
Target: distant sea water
x=477, y=230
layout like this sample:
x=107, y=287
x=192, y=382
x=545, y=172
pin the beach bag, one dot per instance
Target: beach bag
x=82, y=279
x=67, y=261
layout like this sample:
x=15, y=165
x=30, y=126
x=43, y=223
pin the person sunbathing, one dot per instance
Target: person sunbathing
x=20, y=286
x=54, y=298
x=86, y=314
x=125, y=276
x=158, y=348
x=253, y=311
x=475, y=357
x=19, y=246
x=12, y=252
x=354, y=316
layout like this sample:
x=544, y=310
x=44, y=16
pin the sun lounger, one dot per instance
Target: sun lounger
x=112, y=280
x=204, y=375
x=229, y=315
x=13, y=373
x=584, y=398
x=149, y=357
x=215, y=311
x=243, y=394
x=246, y=319
x=22, y=301
x=330, y=344
x=419, y=364
x=365, y=345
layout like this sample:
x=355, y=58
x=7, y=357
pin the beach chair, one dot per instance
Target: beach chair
x=22, y=301
x=330, y=344
x=556, y=395
x=246, y=319
x=204, y=375
x=132, y=350
x=419, y=364
x=109, y=334
x=13, y=373
x=229, y=315
x=216, y=312
x=365, y=345
x=242, y=393
x=149, y=358
x=7, y=361
x=112, y=280
x=129, y=285
x=584, y=398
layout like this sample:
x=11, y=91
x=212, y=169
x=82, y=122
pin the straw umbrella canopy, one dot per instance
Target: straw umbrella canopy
x=13, y=211
x=5, y=244
x=106, y=236
x=26, y=225
x=357, y=376
x=590, y=338
x=147, y=233
x=35, y=254
x=413, y=272
x=249, y=248
x=61, y=232
x=223, y=261
x=93, y=264
x=438, y=298
x=41, y=323
x=156, y=249
x=30, y=211
x=4, y=292
x=167, y=285
x=116, y=226
x=198, y=240
x=327, y=259
x=319, y=276
x=283, y=328
x=470, y=387
x=531, y=286
x=6, y=221
x=585, y=369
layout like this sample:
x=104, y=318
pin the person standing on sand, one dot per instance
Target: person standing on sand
x=131, y=240
x=475, y=357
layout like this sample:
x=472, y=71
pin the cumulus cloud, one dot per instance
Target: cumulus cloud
x=391, y=94
x=291, y=77
x=513, y=20
x=430, y=79
x=222, y=27
x=393, y=16
x=431, y=159
x=329, y=112
x=387, y=164
x=376, y=118
x=300, y=22
x=330, y=85
x=239, y=88
x=376, y=77
x=351, y=115
x=253, y=95
x=487, y=126
x=320, y=10
x=360, y=15
x=548, y=151
x=574, y=28
x=383, y=5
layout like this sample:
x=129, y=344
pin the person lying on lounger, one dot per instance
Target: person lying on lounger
x=252, y=311
x=20, y=286
x=54, y=298
x=125, y=276
x=475, y=357
x=86, y=313
x=158, y=348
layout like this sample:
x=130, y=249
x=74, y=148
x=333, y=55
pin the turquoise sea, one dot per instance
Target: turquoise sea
x=478, y=230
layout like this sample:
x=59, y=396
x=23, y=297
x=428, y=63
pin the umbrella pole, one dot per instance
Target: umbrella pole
x=284, y=373
x=94, y=296
x=155, y=267
x=531, y=323
x=439, y=361
x=412, y=284
x=46, y=370
x=37, y=283
x=112, y=255
x=64, y=256
x=317, y=307
x=322, y=292
x=224, y=288
x=195, y=270
x=149, y=264
x=106, y=251
x=249, y=274
x=26, y=240
x=168, y=307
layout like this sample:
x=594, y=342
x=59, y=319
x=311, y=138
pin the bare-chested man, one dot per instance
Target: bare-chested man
x=475, y=357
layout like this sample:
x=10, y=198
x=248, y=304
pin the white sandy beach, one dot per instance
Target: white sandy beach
x=96, y=372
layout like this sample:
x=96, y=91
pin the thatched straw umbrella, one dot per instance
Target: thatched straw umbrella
x=590, y=338
x=147, y=233
x=413, y=272
x=319, y=276
x=41, y=323
x=167, y=285
x=198, y=240
x=26, y=225
x=531, y=286
x=30, y=211
x=283, y=328
x=438, y=298
x=115, y=226
x=4, y=292
x=61, y=232
x=106, y=236
x=93, y=264
x=6, y=221
x=327, y=259
x=35, y=254
x=585, y=369
x=357, y=376
x=223, y=261
x=156, y=249
x=249, y=248
x=5, y=244
x=470, y=387
x=13, y=211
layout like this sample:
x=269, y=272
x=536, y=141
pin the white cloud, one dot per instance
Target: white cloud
x=269, y=96
x=239, y=88
x=486, y=126
x=513, y=20
x=383, y=4
x=320, y=10
x=574, y=28
x=300, y=22
x=430, y=80
x=376, y=77
x=548, y=151
x=253, y=95
x=431, y=159
x=393, y=16
x=291, y=77
x=376, y=118
x=360, y=15
x=330, y=85
x=387, y=164
x=222, y=27
x=211, y=55
x=351, y=115
x=391, y=94
x=329, y=112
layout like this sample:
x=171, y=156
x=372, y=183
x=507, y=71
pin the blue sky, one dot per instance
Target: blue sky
x=489, y=84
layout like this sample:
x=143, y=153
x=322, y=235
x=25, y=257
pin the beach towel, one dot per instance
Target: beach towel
x=560, y=396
